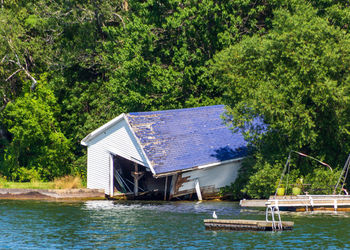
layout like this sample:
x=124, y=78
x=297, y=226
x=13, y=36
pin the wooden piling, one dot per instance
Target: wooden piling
x=166, y=187
x=137, y=175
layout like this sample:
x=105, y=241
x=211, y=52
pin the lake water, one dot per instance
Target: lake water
x=156, y=225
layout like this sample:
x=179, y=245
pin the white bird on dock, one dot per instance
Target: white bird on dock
x=214, y=215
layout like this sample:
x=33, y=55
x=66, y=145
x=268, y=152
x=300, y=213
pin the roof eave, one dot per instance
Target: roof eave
x=101, y=129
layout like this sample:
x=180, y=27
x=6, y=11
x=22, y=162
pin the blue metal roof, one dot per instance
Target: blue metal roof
x=185, y=138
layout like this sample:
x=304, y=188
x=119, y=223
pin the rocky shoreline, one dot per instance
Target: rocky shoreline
x=51, y=194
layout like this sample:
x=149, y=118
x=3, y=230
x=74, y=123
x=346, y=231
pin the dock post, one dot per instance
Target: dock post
x=136, y=181
x=166, y=187
x=137, y=175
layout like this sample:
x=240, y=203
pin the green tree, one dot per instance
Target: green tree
x=25, y=53
x=37, y=144
x=101, y=58
x=296, y=79
x=132, y=56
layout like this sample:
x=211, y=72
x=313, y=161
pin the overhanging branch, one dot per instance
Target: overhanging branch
x=34, y=82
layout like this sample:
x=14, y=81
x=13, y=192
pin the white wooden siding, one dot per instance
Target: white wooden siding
x=118, y=139
x=217, y=176
x=98, y=169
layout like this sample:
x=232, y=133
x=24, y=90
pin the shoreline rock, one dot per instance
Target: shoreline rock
x=52, y=194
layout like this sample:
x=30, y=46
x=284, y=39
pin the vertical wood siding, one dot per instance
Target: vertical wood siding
x=117, y=139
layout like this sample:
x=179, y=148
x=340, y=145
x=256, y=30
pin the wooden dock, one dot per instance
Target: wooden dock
x=244, y=225
x=252, y=203
x=312, y=202
x=303, y=202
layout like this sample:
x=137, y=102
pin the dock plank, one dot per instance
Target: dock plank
x=252, y=203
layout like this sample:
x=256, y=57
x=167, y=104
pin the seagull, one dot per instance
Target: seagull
x=214, y=215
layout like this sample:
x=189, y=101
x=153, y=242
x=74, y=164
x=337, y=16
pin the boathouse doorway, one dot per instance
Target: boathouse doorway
x=132, y=179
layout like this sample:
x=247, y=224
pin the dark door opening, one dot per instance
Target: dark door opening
x=124, y=181
x=123, y=178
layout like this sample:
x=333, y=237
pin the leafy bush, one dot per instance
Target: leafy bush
x=322, y=181
x=38, y=148
x=25, y=175
x=262, y=184
x=259, y=179
x=79, y=168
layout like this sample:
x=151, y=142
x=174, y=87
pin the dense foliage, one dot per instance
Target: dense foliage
x=66, y=67
x=296, y=79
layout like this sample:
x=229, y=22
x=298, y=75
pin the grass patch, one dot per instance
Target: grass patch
x=27, y=185
x=66, y=182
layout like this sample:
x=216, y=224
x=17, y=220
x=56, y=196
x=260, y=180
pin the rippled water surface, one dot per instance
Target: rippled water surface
x=158, y=225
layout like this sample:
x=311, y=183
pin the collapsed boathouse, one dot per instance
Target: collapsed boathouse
x=171, y=152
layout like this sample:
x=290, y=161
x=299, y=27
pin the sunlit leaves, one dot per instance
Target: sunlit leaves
x=37, y=142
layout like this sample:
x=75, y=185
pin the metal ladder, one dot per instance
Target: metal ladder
x=342, y=177
x=276, y=226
